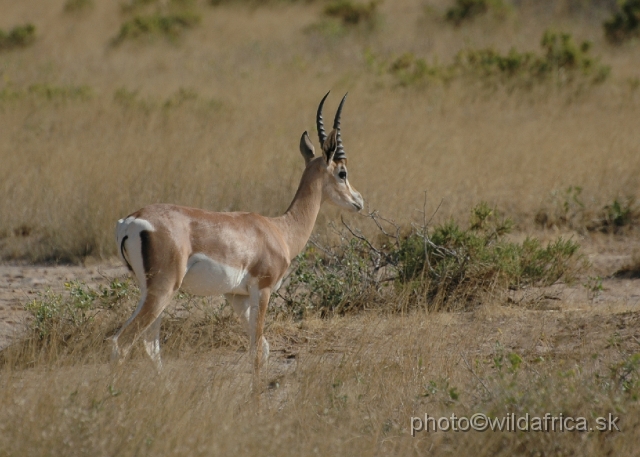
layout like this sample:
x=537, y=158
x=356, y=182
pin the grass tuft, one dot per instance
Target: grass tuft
x=465, y=10
x=351, y=13
x=18, y=37
x=625, y=23
x=170, y=25
x=73, y=6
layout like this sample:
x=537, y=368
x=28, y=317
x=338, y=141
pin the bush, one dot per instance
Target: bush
x=50, y=92
x=625, y=23
x=75, y=323
x=72, y=6
x=65, y=314
x=18, y=37
x=328, y=281
x=621, y=214
x=452, y=264
x=568, y=210
x=466, y=9
x=446, y=267
x=410, y=70
x=46, y=92
x=171, y=25
x=352, y=13
x=562, y=61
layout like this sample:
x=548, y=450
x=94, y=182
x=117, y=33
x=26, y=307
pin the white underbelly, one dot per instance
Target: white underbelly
x=205, y=276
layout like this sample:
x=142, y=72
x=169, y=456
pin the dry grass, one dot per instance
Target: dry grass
x=337, y=387
x=212, y=119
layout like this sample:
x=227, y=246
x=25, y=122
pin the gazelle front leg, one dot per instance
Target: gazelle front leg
x=242, y=306
x=259, y=348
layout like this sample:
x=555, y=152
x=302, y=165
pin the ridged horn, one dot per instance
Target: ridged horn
x=340, y=154
x=322, y=135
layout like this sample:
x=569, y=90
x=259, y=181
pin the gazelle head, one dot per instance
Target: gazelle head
x=332, y=163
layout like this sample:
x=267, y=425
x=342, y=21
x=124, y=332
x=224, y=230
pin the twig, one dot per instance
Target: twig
x=322, y=248
x=357, y=234
x=374, y=215
x=464, y=359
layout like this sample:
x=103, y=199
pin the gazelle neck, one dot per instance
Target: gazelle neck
x=297, y=222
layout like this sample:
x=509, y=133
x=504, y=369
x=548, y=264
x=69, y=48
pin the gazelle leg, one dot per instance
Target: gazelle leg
x=146, y=314
x=242, y=307
x=257, y=315
x=240, y=304
x=152, y=342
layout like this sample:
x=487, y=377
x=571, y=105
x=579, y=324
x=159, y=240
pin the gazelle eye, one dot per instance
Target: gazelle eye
x=342, y=175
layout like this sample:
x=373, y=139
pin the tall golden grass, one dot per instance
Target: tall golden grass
x=213, y=120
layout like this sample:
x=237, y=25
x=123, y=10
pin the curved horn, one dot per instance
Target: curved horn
x=322, y=135
x=340, y=154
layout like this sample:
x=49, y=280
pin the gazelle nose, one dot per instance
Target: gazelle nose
x=359, y=202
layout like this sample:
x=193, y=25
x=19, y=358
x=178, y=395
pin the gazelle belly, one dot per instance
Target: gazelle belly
x=205, y=276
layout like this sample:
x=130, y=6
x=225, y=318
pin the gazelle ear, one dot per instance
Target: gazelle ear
x=330, y=145
x=306, y=148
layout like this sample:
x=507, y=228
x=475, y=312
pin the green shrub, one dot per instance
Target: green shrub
x=562, y=53
x=46, y=92
x=410, y=70
x=131, y=99
x=72, y=6
x=352, y=13
x=441, y=268
x=330, y=281
x=18, y=37
x=64, y=314
x=452, y=262
x=562, y=62
x=568, y=210
x=466, y=9
x=50, y=92
x=616, y=217
x=132, y=6
x=625, y=376
x=171, y=25
x=625, y=23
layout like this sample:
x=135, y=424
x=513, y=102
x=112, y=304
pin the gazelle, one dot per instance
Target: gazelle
x=242, y=256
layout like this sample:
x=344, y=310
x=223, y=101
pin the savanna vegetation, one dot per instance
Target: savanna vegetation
x=497, y=149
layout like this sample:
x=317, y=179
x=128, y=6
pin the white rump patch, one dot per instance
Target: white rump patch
x=205, y=276
x=131, y=228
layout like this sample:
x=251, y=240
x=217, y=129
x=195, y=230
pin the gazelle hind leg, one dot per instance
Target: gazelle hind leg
x=145, y=320
x=240, y=304
x=152, y=342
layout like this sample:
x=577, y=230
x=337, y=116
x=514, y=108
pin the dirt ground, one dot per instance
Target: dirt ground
x=609, y=258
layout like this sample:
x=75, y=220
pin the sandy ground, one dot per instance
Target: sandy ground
x=21, y=283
